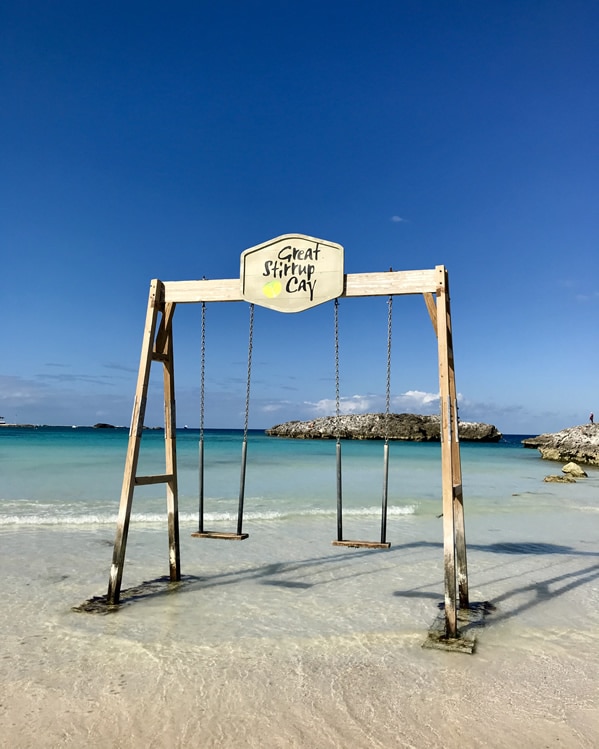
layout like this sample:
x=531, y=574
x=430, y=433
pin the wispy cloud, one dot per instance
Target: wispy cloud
x=398, y=219
x=20, y=390
x=416, y=401
x=412, y=401
x=59, y=400
x=354, y=404
x=120, y=367
x=71, y=378
x=274, y=407
x=585, y=298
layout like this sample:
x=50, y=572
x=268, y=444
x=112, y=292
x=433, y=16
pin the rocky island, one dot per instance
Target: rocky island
x=410, y=427
x=579, y=444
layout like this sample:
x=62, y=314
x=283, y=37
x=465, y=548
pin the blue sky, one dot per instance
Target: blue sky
x=146, y=140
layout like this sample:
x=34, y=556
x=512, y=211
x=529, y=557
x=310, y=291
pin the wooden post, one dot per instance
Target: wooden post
x=155, y=304
x=163, y=351
x=442, y=321
x=446, y=437
x=458, y=498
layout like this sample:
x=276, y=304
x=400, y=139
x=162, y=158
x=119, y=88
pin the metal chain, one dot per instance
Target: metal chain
x=247, y=392
x=202, y=370
x=337, y=395
x=388, y=390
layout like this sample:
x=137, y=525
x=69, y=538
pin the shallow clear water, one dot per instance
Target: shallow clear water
x=303, y=643
x=61, y=476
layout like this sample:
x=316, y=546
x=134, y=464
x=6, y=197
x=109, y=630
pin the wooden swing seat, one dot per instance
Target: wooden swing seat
x=224, y=536
x=364, y=544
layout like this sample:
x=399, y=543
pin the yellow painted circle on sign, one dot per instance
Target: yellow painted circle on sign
x=272, y=289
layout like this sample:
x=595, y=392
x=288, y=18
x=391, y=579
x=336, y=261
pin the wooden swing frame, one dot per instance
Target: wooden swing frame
x=157, y=346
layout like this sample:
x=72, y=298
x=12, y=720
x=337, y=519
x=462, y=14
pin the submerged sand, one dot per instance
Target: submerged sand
x=297, y=646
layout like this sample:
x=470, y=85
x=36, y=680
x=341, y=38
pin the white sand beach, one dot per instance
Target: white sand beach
x=278, y=644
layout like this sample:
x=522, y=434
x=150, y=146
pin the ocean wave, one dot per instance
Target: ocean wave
x=151, y=518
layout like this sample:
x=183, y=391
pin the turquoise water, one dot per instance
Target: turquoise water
x=58, y=475
x=68, y=481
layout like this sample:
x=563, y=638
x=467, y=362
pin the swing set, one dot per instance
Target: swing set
x=292, y=273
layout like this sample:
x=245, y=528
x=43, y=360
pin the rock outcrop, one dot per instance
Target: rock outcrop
x=579, y=444
x=410, y=427
x=574, y=470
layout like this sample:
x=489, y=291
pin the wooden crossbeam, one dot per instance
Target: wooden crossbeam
x=162, y=478
x=356, y=285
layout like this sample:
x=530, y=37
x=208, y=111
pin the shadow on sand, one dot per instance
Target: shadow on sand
x=304, y=574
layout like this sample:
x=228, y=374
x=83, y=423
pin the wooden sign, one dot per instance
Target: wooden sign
x=292, y=273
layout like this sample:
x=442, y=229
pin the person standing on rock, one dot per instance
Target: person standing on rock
x=592, y=417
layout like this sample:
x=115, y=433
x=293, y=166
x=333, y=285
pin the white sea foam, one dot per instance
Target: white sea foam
x=156, y=518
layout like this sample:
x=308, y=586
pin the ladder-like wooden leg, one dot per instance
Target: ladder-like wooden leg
x=155, y=305
x=164, y=352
